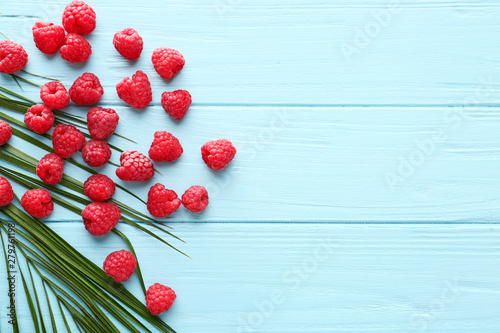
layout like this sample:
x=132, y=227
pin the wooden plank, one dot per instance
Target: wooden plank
x=367, y=52
x=328, y=164
x=318, y=277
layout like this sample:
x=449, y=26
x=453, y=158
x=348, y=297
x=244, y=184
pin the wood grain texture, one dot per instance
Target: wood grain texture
x=274, y=52
x=383, y=113
x=329, y=278
x=346, y=164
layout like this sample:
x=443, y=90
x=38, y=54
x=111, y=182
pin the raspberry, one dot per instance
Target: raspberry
x=167, y=62
x=79, y=17
x=159, y=298
x=13, y=57
x=39, y=118
x=218, y=154
x=96, y=153
x=161, y=201
x=5, y=132
x=135, y=167
x=86, y=89
x=54, y=95
x=165, y=147
x=99, y=187
x=102, y=122
x=128, y=43
x=120, y=265
x=50, y=169
x=195, y=199
x=67, y=140
x=136, y=92
x=48, y=37
x=75, y=49
x=176, y=103
x=100, y=218
x=6, y=192
x=37, y=203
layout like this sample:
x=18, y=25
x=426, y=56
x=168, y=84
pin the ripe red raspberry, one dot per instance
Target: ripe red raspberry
x=48, y=37
x=86, y=90
x=50, y=169
x=6, y=192
x=218, y=154
x=195, y=199
x=136, y=92
x=13, y=57
x=5, y=132
x=100, y=218
x=75, y=49
x=37, y=203
x=99, y=187
x=96, y=153
x=161, y=201
x=78, y=17
x=135, y=167
x=165, y=147
x=120, y=265
x=176, y=103
x=159, y=298
x=67, y=140
x=102, y=122
x=54, y=95
x=128, y=43
x=39, y=118
x=167, y=62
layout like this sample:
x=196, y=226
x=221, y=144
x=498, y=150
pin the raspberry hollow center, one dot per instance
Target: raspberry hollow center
x=204, y=199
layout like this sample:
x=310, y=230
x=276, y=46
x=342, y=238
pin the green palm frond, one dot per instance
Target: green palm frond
x=90, y=291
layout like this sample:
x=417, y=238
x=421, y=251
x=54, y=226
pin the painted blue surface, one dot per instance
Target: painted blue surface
x=384, y=113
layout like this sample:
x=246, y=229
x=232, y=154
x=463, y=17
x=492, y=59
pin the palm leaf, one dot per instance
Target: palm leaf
x=132, y=250
x=87, y=281
x=21, y=107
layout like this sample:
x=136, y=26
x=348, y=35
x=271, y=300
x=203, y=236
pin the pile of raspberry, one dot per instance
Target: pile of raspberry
x=101, y=216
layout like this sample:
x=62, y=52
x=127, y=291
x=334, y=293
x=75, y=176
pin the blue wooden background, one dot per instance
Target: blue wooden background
x=365, y=194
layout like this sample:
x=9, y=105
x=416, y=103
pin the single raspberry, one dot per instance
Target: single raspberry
x=6, y=192
x=135, y=167
x=39, y=118
x=165, y=147
x=128, y=43
x=100, y=218
x=176, y=103
x=48, y=37
x=86, y=90
x=54, y=95
x=67, y=140
x=5, y=132
x=78, y=17
x=136, y=92
x=167, y=62
x=75, y=49
x=37, y=203
x=159, y=298
x=120, y=265
x=218, y=154
x=102, y=122
x=50, y=169
x=13, y=57
x=161, y=201
x=195, y=199
x=99, y=187
x=96, y=153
